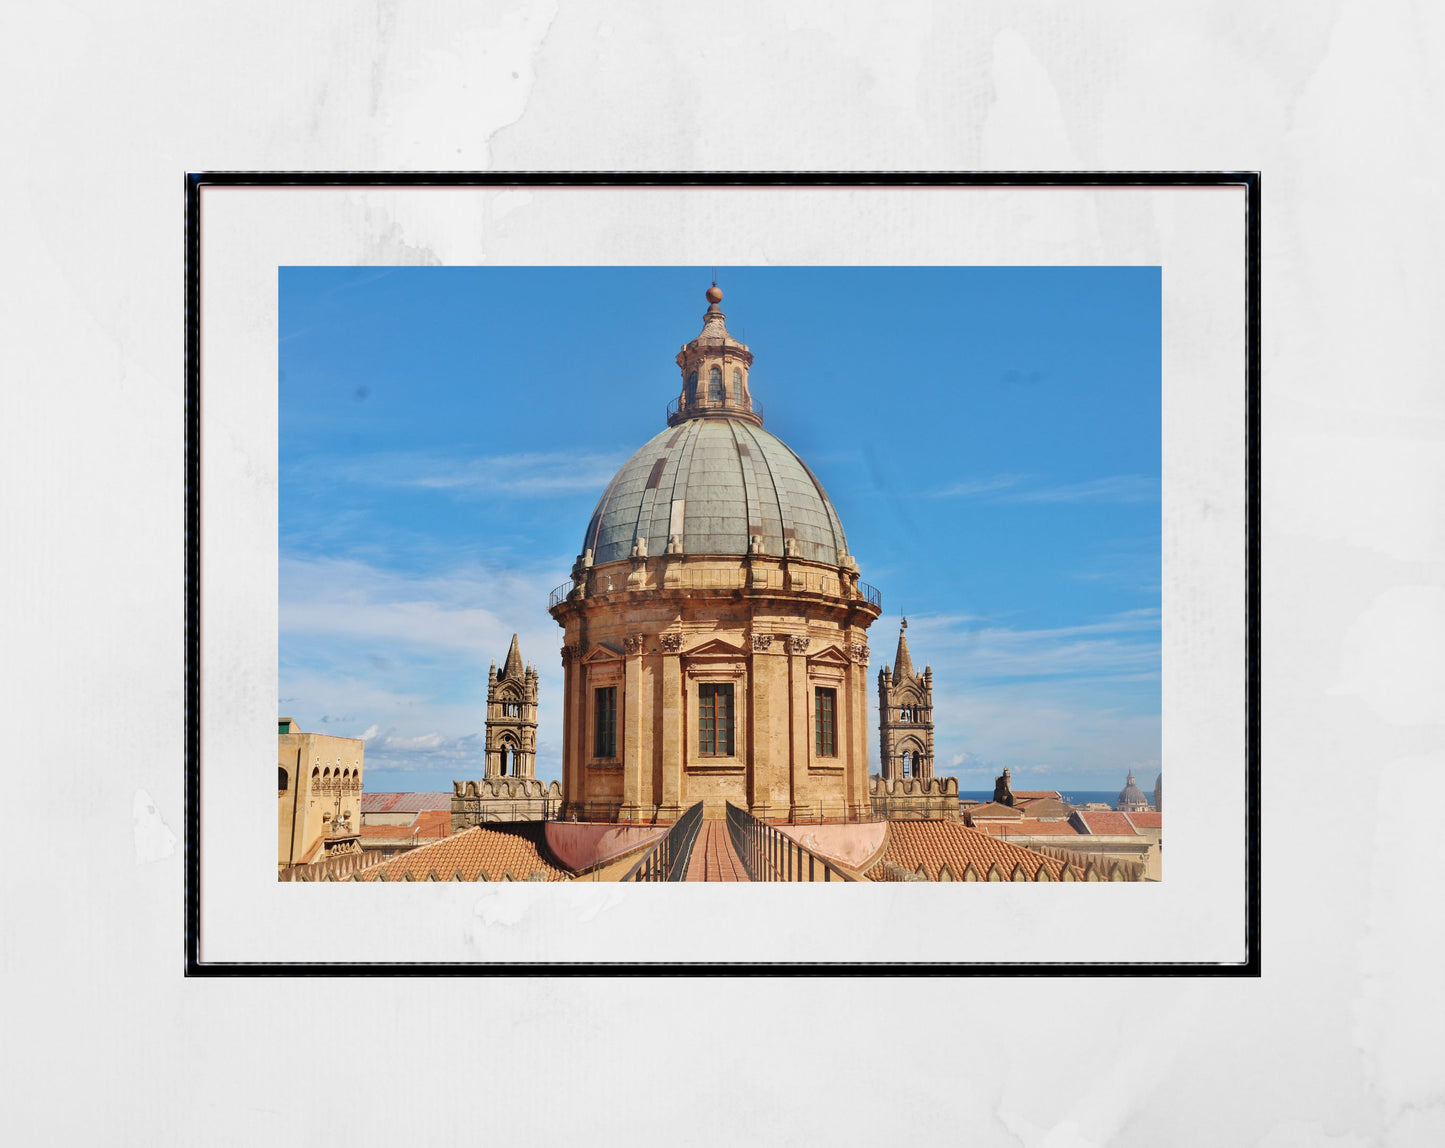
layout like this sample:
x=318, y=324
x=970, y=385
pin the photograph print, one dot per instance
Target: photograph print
x=720, y=574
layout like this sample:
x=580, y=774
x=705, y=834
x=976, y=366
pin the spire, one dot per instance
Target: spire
x=513, y=668
x=903, y=663
x=715, y=370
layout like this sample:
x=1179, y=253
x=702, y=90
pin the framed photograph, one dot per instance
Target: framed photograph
x=720, y=573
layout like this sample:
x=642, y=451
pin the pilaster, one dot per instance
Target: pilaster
x=633, y=705
x=801, y=723
x=673, y=727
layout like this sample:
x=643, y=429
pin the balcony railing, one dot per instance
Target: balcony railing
x=677, y=406
x=770, y=855
x=722, y=579
x=668, y=859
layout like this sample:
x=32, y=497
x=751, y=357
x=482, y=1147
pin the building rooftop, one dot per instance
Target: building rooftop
x=428, y=825
x=1105, y=823
x=1044, y=807
x=992, y=810
x=405, y=802
x=1030, y=825
x=934, y=844
x=483, y=853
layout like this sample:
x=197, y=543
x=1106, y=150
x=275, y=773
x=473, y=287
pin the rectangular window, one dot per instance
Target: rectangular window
x=715, y=719
x=825, y=705
x=605, y=742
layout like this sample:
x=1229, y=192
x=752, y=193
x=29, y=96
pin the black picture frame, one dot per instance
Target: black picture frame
x=1249, y=181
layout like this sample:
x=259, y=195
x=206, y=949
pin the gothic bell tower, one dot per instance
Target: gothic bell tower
x=512, y=717
x=905, y=717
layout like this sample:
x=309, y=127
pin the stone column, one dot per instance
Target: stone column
x=633, y=707
x=673, y=727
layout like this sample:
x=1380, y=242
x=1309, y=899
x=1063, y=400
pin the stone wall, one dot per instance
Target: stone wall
x=931, y=799
x=494, y=799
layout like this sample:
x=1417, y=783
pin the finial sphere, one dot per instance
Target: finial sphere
x=714, y=294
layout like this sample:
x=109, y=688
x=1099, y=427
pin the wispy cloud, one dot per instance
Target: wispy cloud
x=404, y=657
x=1125, y=643
x=1057, y=702
x=474, y=612
x=1118, y=488
x=1023, y=488
x=972, y=487
x=536, y=474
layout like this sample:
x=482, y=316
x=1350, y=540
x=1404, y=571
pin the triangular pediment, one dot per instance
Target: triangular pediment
x=602, y=652
x=828, y=656
x=714, y=648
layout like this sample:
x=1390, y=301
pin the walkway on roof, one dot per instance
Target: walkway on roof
x=713, y=858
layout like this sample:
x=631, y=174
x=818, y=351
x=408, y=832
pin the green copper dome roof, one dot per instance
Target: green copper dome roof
x=715, y=483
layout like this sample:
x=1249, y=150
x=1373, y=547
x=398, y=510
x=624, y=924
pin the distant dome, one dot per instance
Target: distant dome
x=1131, y=797
x=725, y=480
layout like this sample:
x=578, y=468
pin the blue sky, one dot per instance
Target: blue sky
x=989, y=436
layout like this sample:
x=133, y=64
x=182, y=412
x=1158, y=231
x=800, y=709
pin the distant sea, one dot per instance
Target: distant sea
x=1072, y=796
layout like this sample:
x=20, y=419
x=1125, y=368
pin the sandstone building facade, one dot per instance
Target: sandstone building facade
x=715, y=628
x=318, y=795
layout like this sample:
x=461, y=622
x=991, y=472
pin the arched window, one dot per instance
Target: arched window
x=715, y=387
x=737, y=385
x=282, y=781
x=906, y=764
x=692, y=387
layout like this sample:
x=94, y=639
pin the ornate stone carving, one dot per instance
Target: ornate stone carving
x=761, y=642
x=671, y=643
x=798, y=644
x=859, y=653
x=633, y=644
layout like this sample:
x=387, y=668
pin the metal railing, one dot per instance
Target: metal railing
x=824, y=813
x=668, y=859
x=874, y=598
x=769, y=855
x=559, y=595
x=491, y=811
x=677, y=406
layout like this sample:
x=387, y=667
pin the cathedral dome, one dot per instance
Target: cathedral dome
x=1131, y=797
x=708, y=486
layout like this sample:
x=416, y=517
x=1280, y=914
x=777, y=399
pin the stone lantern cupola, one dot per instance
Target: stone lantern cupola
x=714, y=373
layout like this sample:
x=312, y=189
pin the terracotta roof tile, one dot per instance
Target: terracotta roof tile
x=993, y=809
x=1030, y=825
x=932, y=844
x=1109, y=823
x=404, y=802
x=425, y=826
x=1149, y=820
x=490, y=852
x=1035, y=794
x=1050, y=807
